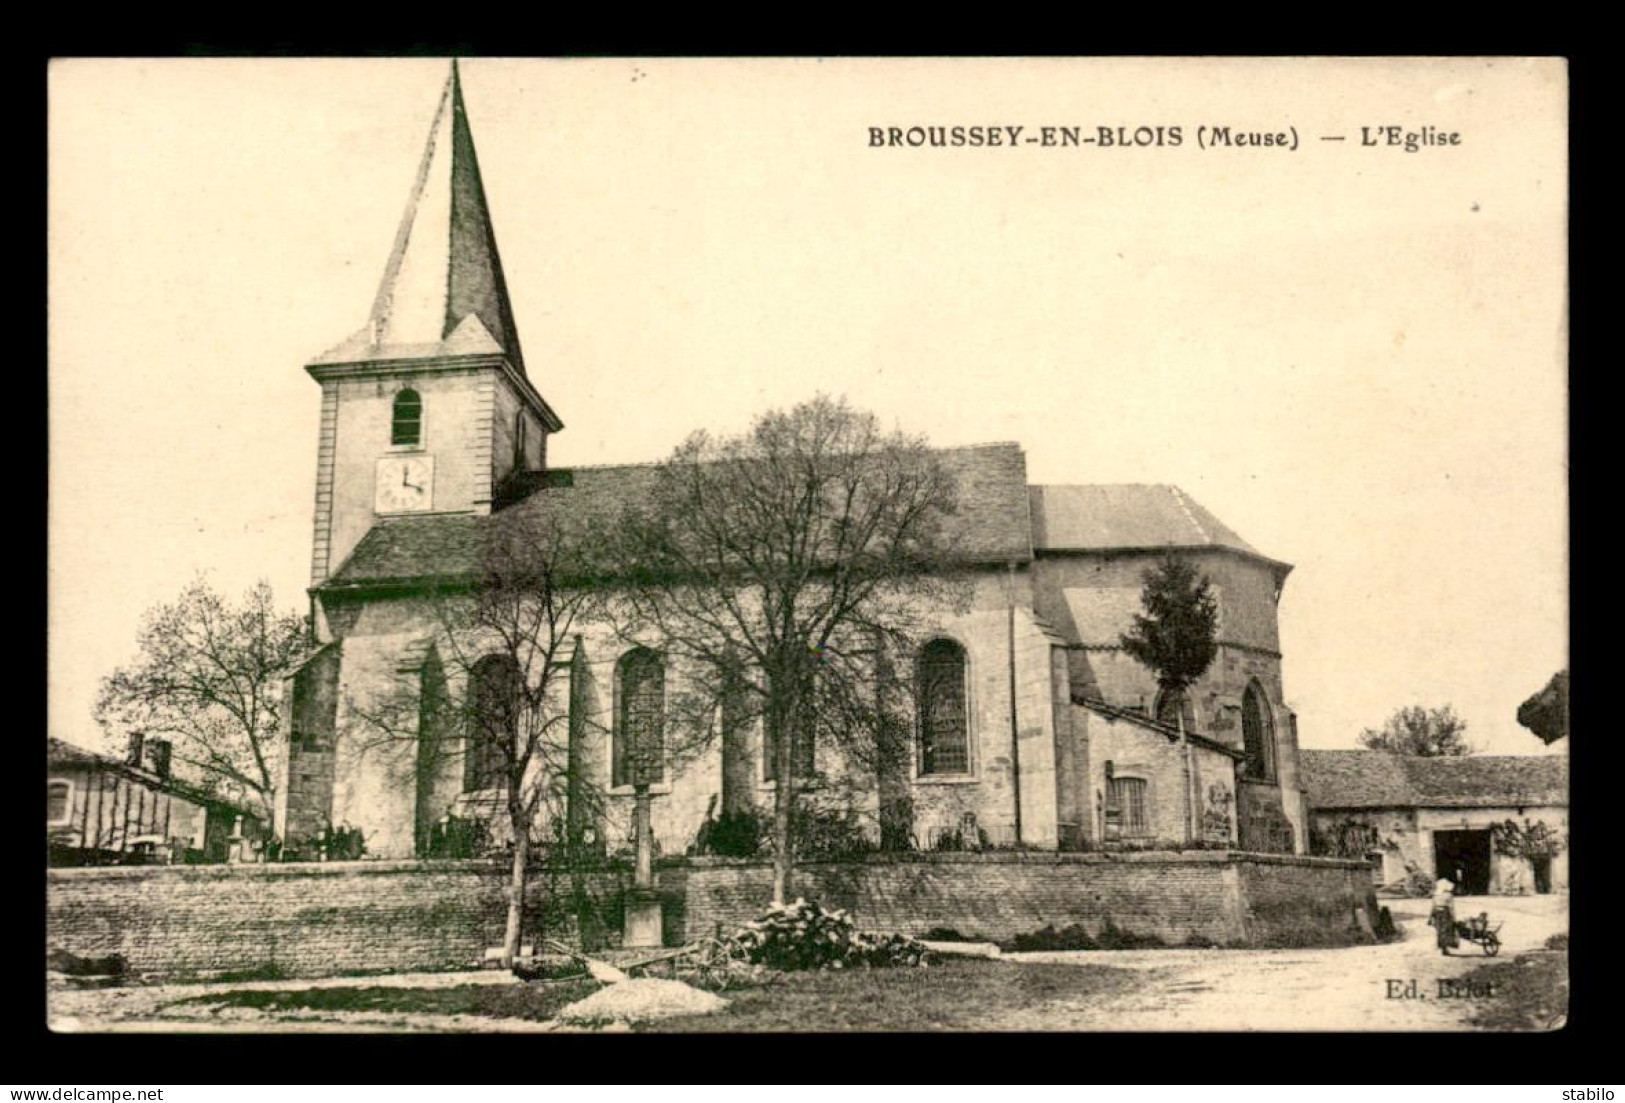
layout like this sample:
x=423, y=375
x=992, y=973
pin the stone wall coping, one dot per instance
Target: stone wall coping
x=1038, y=857
x=471, y=866
x=226, y=871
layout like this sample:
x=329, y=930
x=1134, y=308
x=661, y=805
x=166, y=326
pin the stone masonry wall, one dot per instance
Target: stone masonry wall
x=316, y=919
x=1228, y=898
x=326, y=919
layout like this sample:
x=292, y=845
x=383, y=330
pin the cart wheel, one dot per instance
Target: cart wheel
x=1492, y=946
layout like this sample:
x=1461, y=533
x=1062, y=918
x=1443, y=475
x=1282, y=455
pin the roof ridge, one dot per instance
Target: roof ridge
x=657, y=463
x=1184, y=506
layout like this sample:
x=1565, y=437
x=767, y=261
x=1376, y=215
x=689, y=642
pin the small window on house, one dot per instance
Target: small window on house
x=1128, y=795
x=406, y=426
x=58, y=801
x=944, y=731
x=638, y=749
x=494, y=696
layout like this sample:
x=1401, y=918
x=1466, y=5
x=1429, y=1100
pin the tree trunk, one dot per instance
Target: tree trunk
x=783, y=798
x=516, y=893
x=1190, y=774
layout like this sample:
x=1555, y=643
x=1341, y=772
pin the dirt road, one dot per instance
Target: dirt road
x=1353, y=988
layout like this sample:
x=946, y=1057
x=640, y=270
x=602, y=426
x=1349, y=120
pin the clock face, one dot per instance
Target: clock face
x=405, y=484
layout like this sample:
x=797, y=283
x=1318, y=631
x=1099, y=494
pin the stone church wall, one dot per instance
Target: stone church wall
x=375, y=784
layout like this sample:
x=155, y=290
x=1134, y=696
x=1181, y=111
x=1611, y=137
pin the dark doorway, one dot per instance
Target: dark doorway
x=1464, y=857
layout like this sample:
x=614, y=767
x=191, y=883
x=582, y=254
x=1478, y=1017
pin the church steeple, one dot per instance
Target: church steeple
x=443, y=292
x=427, y=409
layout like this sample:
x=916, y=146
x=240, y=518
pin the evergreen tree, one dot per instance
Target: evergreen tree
x=1176, y=637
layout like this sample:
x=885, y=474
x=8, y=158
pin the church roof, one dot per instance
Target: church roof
x=443, y=292
x=991, y=525
x=1125, y=516
x=1373, y=779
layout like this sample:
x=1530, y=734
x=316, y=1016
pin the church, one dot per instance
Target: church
x=1044, y=732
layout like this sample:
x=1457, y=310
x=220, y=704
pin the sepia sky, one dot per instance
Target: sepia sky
x=1354, y=356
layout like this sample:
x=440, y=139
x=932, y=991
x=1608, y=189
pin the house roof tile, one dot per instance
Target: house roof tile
x=1373, y=779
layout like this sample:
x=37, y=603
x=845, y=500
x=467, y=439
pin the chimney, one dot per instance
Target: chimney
x=158, y=751
x=137, y=742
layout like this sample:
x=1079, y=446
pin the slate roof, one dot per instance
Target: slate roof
x=1169, y=731
x=1126, y=515
x=1372, y=779
x=991, y=526
x=443, y=292
x=404, y=549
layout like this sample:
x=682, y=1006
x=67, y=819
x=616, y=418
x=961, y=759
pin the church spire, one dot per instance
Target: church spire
x=443, y=291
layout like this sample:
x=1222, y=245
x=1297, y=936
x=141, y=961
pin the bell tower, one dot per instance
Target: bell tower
x=427, y=408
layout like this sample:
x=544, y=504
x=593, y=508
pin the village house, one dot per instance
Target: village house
x=101, y=810
x=1438, y=817
x=1042, y=730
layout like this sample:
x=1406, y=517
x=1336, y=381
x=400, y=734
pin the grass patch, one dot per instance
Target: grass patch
x=1531, y=992
x=534, y=1002
x=958, y=995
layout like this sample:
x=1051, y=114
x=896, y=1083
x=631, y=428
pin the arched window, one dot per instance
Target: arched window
x=406, y=425
x=638, y=747
x=944, y=729
x=803, y=752
x=494, y=702
x=1257, y=733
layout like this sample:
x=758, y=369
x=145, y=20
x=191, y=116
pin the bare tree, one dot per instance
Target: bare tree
x=491, y=706
x=1430, y=733
x=781, y=566
x=209, y=680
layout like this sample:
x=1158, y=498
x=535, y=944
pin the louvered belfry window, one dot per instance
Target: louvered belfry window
x=406, y=425
x=944, y=732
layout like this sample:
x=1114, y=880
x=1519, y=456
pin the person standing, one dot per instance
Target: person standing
x=1443, y=916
